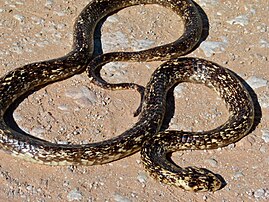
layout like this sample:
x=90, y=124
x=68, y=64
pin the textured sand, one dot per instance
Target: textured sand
x=78, y=112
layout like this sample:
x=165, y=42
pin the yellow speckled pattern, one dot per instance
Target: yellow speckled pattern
x=145, y=133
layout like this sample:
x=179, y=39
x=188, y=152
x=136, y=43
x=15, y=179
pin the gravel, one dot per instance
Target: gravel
x=82, y=95
x=120, y=198
x=259, y=193
x=142, y=177
x=239, y=20
x=256, y=82
x=238, y=174
x=212, y=47
x=265, y=135
x=238, y=37
x=74, y=195
x=212, y=162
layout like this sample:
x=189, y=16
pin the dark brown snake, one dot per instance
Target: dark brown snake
x=155, y=146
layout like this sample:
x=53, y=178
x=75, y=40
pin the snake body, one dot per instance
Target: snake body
x=144, y=134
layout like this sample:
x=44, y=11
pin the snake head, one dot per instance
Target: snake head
x=199, y=180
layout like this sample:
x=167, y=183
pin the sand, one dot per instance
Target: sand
x=76, y=111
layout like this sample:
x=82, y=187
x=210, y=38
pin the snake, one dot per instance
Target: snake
x=145, y=135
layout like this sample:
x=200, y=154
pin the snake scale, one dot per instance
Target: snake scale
x=145, y=135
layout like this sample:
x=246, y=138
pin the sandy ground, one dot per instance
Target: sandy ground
x=75, y=111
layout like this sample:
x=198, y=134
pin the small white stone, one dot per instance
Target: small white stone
x=142, y=44
x=238, y=175
x=63, y=107
x=256, y=82
x=231, y=146
x=60, y=13
x=37, y=131
x=264, y=100
x=142, y=177
x=211, y=47
x=263, y=149
x=265, y=135
x=178, y=91
x=17, y=116
x=239, y=20
x=259, y=193
x=112, y=19
x=49, y=3
x=264, y=43
x=208, y=2
x=83, y=95
x=120, y=198
x=212, y=162
x=74, y=195
x=110, y=40
x=18, y=17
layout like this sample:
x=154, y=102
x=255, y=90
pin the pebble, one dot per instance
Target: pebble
x=264, y=43
x=120, y=198
x=231, y=146
x=83, y=95
x=264, y=101
x=256, y=82
x=262, y=27
x=142, y=44
x=211, y=47
x=142, y=177
x=63, y=107
x=17, y=116
x=265, y=135
x=74, y=195
x=62, y=142
x=115, y=70
x=208, y=2
x=16, y=48
x=263, y=149
x=178, y=91
x=238, y=175
x=18, y=17
x=112, y=19
x=59, y=13
x=239, y=20
x=37, y=131
x=49, y=3
x=259, y=193
x=110, y=40
x=37, y=21
x=212, y=162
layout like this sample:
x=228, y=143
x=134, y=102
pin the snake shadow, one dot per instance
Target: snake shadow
x=257, y=106
x=9, y=114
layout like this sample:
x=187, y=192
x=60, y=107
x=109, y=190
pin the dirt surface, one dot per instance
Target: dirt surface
x=76, y=111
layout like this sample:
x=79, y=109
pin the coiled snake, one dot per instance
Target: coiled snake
x=155, y=146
